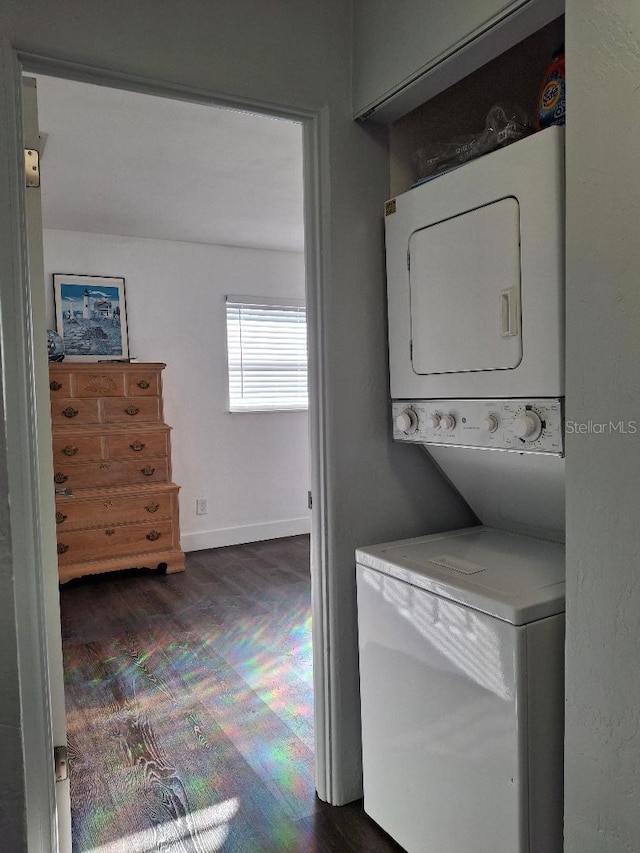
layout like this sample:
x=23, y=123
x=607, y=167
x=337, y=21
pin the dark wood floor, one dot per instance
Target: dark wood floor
x=189, y=710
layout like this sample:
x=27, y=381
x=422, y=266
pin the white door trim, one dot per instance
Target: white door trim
x=19, y=390
x=20, y=405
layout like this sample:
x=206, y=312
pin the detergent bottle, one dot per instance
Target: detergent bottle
x=551, y=101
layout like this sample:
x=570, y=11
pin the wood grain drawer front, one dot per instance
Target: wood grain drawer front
x=59, y=384
x=97, y=384
x=101, y=542
x=76, y=448
x=120, y=410
x=143, y=384
x=117, y=509
x=137, y=445
x=85, y=475
x=72, y=412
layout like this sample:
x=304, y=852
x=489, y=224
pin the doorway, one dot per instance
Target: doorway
x=316, y=433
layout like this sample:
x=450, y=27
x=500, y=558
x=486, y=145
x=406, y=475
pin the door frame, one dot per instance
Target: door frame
x=22, y=449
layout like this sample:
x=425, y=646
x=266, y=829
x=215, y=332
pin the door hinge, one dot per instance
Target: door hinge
x=60, y=763
x=31, y=167
x=309, y=500
x=409, y=261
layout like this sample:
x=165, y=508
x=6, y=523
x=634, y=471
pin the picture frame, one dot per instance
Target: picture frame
x=91, y=317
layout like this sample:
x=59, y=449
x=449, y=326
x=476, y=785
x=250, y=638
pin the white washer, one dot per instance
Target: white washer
x=461, y=639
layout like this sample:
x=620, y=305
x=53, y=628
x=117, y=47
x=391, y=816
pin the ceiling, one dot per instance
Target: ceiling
x=118, y=162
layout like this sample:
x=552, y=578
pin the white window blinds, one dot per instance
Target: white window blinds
x=267, y=354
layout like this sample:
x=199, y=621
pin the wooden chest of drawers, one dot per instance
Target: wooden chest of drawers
x=116, y=507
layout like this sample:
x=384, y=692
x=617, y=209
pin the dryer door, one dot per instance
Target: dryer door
x=465, y=292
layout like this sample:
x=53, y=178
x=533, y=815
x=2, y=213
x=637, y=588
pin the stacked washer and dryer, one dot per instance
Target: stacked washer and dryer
x=461, y=634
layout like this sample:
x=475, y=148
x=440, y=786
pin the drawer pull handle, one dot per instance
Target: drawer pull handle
x=109, y=532
x=144, y=383
x=137, y=446
x=70, y=450
x=107, y=504
x=148, y=470
x=69, y=412
x=154, y=535
x=62, y=548
x=60, y=478
x=131, y=410
x=55, y=385
x=60, y=517
x=104, y=466
x=152, y=507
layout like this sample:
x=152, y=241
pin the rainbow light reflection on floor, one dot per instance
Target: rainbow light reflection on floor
x=191, y=725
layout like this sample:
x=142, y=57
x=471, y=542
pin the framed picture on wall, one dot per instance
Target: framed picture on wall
x=91, y=316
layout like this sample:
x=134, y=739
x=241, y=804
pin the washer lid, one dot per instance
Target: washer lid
x=515, y=578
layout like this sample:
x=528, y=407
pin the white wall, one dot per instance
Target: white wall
x=602, y=810
x=253, y=468
x=295, y=53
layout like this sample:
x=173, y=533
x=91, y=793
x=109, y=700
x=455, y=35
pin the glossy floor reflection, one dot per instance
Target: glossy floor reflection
x=189, y=710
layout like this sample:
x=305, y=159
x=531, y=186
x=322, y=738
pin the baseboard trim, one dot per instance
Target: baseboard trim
x=246, y=533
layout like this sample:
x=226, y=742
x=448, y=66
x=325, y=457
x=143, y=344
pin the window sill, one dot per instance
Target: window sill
x=276, y=409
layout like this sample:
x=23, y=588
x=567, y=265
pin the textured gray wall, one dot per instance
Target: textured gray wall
x=603, y=468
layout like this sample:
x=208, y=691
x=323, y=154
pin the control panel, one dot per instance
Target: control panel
x=523, y=425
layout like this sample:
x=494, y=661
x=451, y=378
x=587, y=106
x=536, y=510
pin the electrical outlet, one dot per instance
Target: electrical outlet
x=201, y=506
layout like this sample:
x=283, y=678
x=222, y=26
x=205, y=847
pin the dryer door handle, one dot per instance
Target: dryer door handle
x=509, y=313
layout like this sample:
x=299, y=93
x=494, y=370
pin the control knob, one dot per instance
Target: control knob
x=527, y=426
x=434, y=421
x=407, y=421
x=447, y=421
x=490, y=423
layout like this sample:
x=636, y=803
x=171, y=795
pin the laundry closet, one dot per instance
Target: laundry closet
x=461, y=634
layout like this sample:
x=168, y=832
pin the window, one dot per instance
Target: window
x=267, y=354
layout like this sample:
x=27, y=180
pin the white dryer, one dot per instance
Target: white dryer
x=475, y=277
x=461, y=662
x=475, y=283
